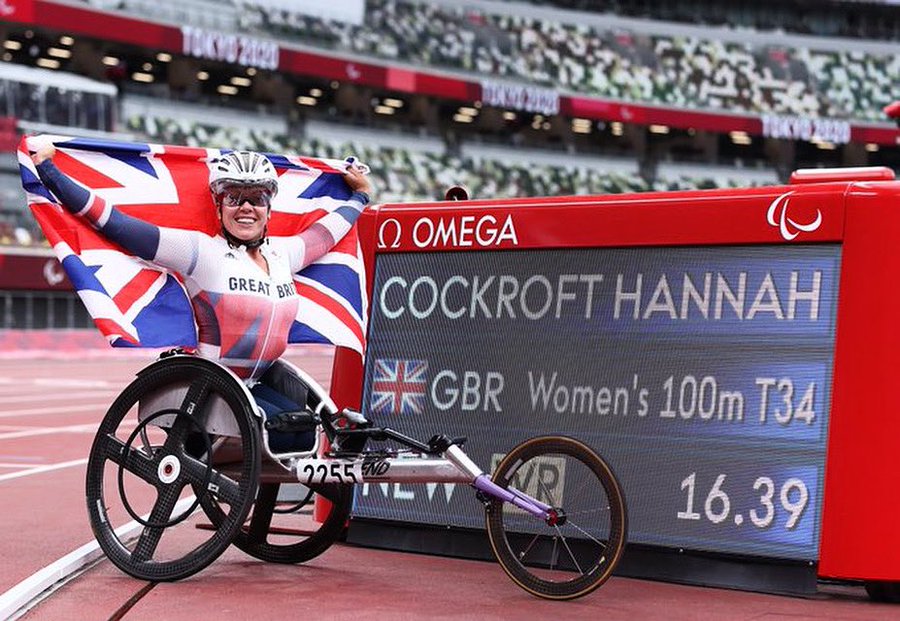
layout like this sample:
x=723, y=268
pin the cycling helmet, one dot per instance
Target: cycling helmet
x=242, y=168
x=237, y=170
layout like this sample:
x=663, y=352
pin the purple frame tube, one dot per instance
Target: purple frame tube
x=523, y=501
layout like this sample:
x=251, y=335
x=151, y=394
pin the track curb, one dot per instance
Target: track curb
x=21, y=598
x=16, y=601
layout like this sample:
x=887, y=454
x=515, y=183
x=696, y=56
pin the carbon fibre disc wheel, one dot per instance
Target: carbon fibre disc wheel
x=293, y=536
x=577, y=549
x=150, y=456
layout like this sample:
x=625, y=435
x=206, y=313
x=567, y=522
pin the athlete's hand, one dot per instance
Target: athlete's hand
x=355, y=176
x=44, y=152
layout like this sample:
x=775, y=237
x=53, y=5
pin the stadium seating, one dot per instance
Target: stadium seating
x=638, y=63
x=874, y=20
x=834, y=18
x=630, y=65
x=507, y=40
x=402, y=175
x=410, y=174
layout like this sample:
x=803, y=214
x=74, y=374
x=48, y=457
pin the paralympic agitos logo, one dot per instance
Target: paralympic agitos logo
x=447, y=232
x=787, y=226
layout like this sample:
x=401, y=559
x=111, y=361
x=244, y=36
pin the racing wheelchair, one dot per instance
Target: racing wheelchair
x=183, y=457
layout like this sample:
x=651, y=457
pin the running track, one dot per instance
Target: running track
x=49, y=409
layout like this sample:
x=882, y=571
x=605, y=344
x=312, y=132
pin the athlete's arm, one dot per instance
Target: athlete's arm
x=170, y=248
x=322, y=235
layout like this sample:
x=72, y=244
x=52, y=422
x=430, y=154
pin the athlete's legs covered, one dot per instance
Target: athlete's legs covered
x=274, y=401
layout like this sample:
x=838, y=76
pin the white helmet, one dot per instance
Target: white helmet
x=242, y=168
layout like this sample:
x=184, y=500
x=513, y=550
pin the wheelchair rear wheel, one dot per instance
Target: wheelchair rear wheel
x=151, y=453
x=283, y=528
x=289, y=522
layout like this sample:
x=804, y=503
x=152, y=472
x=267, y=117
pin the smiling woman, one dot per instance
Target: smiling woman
x=245, y=221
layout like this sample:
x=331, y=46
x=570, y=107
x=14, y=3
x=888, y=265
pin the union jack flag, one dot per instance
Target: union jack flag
x=398, y=386
x=136, y=304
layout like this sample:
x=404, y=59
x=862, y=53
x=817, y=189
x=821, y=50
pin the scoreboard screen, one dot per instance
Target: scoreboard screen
x=702, y=374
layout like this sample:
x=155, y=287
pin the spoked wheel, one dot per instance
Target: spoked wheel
x=287, y=529
x=577, y=549
x=150, y=455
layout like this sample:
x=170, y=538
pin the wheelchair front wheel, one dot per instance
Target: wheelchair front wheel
x=151, y=453
x=575, y=552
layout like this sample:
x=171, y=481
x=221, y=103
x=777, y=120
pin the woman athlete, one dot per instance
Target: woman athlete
x=240, y=282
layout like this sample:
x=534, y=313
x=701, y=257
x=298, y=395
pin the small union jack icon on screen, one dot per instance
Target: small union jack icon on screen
x=398, y=386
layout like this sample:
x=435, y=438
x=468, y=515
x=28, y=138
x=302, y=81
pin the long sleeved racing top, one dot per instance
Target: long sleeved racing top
x=243, y=314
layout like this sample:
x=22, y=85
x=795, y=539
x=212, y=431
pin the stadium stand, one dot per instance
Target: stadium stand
x=870, y=20
x=597, y=56
x=603, y=50
x=874, y=19
x=592, y=53
x=405, y=174
x=52, y=98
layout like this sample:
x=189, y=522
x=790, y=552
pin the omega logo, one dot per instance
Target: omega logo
x=389, y=228
x=789, y=228
x=464, y=231
x=455, y=231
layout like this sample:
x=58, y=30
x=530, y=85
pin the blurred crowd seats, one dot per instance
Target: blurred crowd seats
x=17, y=226
x=505, y=41
x=54, y=98
x=871, y=20
x=621, y=64
x=407, y=174
x=774, y=75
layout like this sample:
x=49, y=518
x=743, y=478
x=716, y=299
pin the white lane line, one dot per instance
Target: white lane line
x=22, y=390
x=71, y=383
x=21, y=598
x=61, y=396
x=37, y=392
x=56, y=382
x=26, y=389
x=41, y=470
x=99, y=407
x=46, y=431
x=11, y=461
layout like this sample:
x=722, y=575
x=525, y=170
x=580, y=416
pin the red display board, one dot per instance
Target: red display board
x=820, y=435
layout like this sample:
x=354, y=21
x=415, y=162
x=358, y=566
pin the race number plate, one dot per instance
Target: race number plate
x=315, y=470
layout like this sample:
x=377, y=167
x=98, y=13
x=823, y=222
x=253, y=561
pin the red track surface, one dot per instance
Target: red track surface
x=48, y=413
x=49, y=409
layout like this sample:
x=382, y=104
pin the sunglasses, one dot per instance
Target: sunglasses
x=234, y=198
